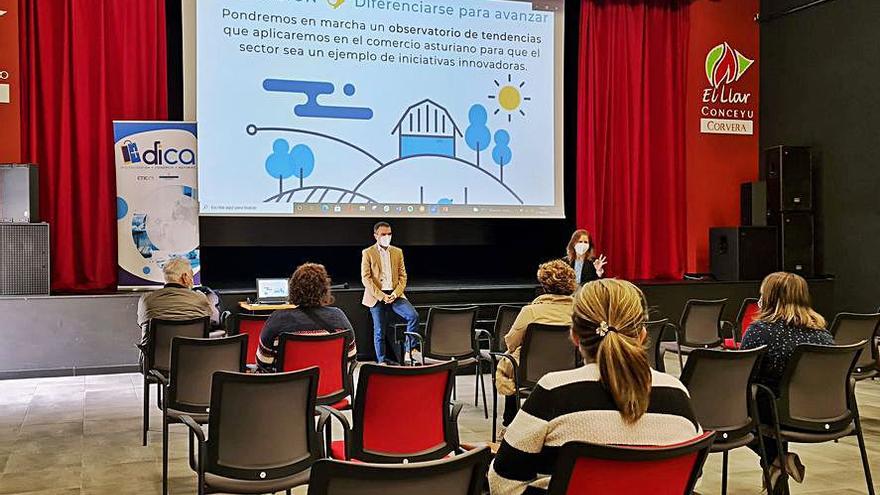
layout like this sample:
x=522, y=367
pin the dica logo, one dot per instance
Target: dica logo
x=157, y=154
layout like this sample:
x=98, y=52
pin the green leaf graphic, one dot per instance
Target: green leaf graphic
x=712, y=59
x=742, y=63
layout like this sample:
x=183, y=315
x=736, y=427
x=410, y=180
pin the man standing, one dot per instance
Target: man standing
x=383, y=274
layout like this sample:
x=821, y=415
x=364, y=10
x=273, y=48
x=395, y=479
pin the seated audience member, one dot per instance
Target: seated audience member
x=606, y=401
x=553, y=307
x=175, y=301
x=785, y=321
x=310, y=292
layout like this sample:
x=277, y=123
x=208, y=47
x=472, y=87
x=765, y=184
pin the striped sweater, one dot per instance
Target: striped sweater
x=569, y=406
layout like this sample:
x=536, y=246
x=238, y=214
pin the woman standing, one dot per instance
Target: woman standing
x=580, y=255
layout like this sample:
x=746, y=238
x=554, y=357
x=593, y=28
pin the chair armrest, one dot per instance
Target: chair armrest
x=224, y=320
x=159, y=377
x=193, y=427
x=513, y=363
x=453, y=424
x=483, y=334
x=199, y=464
x=327, y=425
x=732, y=331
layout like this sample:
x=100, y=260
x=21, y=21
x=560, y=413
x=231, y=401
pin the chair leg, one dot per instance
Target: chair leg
x=680, y=360
x=494, y=405
x=146, y=422
x=476, y=384
x=164, y=453
x=868, y=479
x=483, y=388
x=724, y=473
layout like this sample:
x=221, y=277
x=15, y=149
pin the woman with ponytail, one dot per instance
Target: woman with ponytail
x=615, y=398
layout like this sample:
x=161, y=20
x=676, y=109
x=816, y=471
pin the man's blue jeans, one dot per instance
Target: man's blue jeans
x=379, y=312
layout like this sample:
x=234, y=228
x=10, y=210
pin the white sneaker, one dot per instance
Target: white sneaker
x=414, y=356
x=407, y=358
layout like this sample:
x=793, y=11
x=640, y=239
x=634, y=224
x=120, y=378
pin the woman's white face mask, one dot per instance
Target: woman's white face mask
x=581, y=248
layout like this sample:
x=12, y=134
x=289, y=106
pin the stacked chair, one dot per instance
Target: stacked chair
x=545, y=348
x=156, y=354
x=721, y=387
x=816, y=401
x=849, y=328
x=451, y=336
x=585, y=468
x=400, y=414
x=187, y=389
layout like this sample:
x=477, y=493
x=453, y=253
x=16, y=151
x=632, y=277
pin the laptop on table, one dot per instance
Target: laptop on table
x=271, y=291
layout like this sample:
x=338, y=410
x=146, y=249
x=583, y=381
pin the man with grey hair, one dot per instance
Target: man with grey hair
x=176, y=300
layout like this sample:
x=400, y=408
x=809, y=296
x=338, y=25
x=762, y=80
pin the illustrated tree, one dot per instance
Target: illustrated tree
x=303, y=161
x=501, y=153
x=477, y=135
x=284, y=162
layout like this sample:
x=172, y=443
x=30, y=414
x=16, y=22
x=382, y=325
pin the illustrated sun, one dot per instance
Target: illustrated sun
x=510, y=98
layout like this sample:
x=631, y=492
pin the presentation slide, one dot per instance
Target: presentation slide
x=434, y=108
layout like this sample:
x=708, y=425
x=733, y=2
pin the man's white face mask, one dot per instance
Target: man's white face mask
x=385, y=240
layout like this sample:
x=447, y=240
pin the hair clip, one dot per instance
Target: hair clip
x=602, y=329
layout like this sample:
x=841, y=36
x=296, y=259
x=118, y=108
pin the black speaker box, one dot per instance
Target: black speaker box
x=797, y=243
x=743, y=253
x=753, y=204
x=788, y=172
x=19, y=193
x=24, y=259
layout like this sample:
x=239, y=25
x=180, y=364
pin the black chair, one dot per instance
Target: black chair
x=262, y=433
x=700, y=327
x=507, y=314
x=746, y=315
x=545, y=348
x=849, y=328
x=450, y=335
x=817, y=401
x=401, y=414
x=460, y=475
x=655, y=330
x=585, y=468
x=156, y=353
x=720, y=386
x=187, y=391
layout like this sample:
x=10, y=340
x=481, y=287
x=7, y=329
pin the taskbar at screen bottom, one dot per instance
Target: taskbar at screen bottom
x=369, y=210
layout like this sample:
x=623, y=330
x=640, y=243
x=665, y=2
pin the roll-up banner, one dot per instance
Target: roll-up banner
x=157, y=213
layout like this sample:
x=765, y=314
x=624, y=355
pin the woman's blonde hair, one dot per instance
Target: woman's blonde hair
x=608, y=320
x=557, y=277
x=785, y=298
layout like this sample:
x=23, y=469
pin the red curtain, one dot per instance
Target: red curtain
x=86, y=63
x=631, y=134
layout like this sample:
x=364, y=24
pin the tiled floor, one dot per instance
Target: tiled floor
x=81, y=435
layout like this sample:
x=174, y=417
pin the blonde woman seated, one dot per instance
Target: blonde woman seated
x=553, y=307
x=786, y=321
x=615, y=398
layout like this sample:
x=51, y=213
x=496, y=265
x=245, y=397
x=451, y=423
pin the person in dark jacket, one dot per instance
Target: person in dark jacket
x=581, y=255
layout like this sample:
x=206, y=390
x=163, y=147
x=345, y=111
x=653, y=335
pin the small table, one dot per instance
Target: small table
x=263, y=308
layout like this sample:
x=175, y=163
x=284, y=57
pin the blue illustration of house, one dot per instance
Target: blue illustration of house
x=426, y=128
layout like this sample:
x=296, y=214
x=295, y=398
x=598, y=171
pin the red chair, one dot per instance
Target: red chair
x=746, y=316
x=590, y=469
x=401, y=413
x=252, y=325
x=329, y=352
